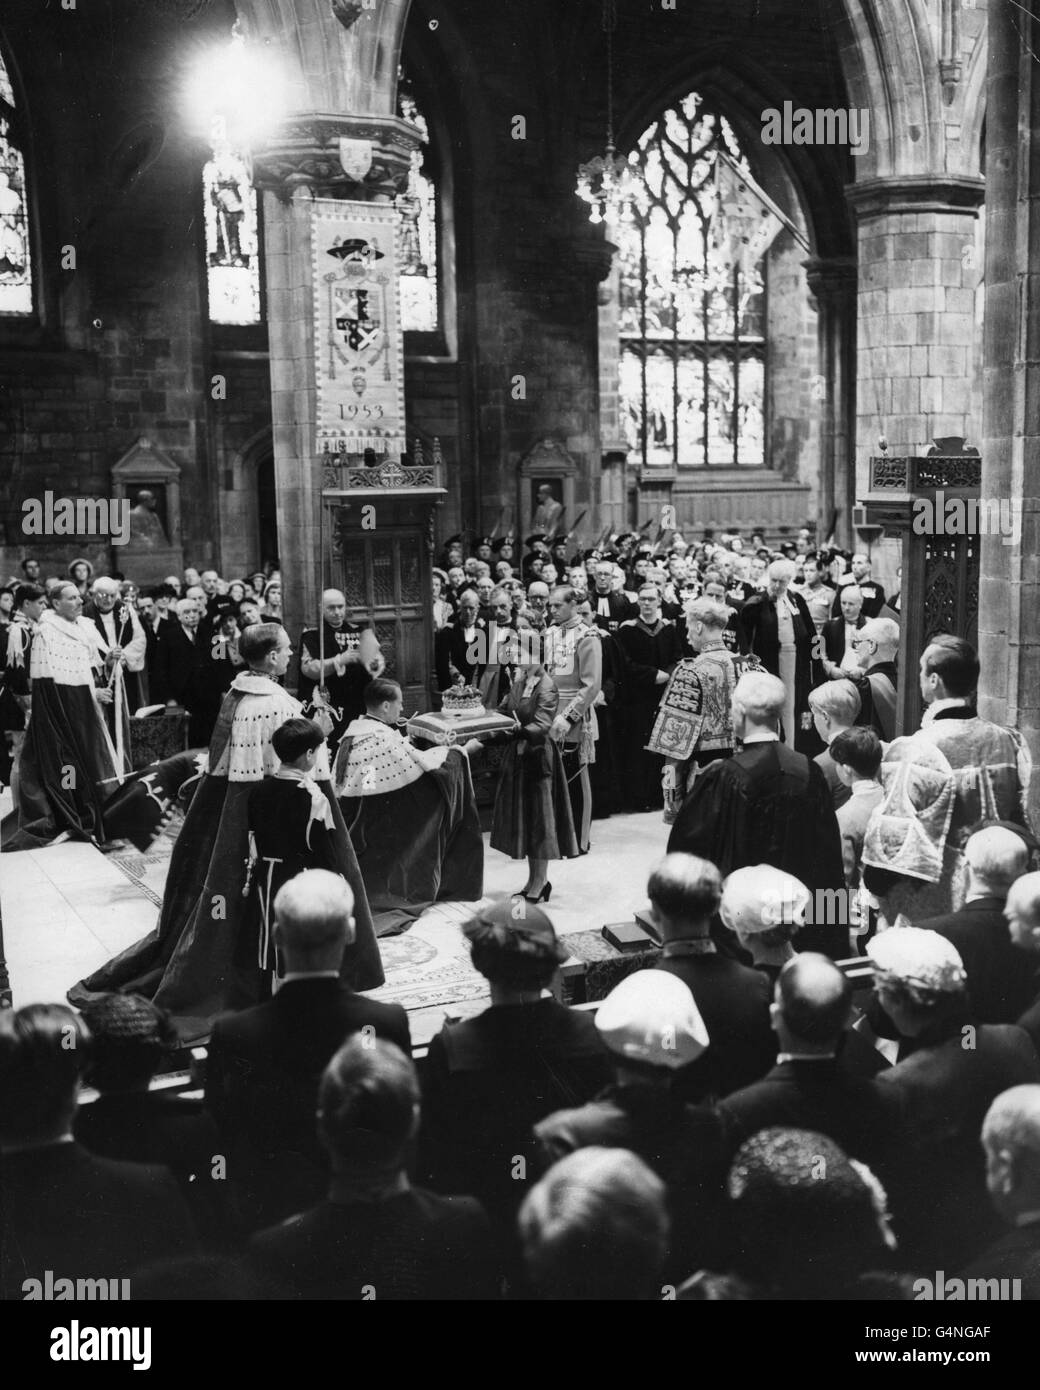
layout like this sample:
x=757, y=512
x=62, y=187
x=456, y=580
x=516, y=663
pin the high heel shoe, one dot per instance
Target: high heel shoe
x=543, y=896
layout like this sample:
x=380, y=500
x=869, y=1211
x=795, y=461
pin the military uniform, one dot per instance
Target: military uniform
x=573, y=658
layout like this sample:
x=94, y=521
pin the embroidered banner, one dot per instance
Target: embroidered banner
x=357, y=335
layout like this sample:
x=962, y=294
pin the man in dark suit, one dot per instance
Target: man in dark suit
x=265, y=1062
x=873, y=593
x=610, y=608
x=62, y=1210
x=180, y=664
x=1022, y=912
x=839, y=634
x=373, y=1230
x=807, y=1088
x=733, y=1000
x=776, y=626
x=766, y=805
x=155, y=624
x=1000, y=974
x=939, y=1094
x=1011, y=1141
x=461, y=646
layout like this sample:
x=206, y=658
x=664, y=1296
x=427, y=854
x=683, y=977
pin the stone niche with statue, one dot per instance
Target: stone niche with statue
x=546, y=477
x=149, y=482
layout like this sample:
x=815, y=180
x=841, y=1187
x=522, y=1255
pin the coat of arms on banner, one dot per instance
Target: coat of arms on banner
x=358, y=339
x=355, y=157
x=359, y=305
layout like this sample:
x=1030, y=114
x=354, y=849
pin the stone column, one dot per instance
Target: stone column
x=832, y=284
x=915, y=324
x=1009, y=597
x=303, y=161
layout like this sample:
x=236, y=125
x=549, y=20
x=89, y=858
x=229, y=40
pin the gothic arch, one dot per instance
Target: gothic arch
x=742, y=91
x=334, y=69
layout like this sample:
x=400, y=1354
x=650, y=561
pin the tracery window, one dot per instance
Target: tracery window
x=232, y=238
x=692, y=325
x=420, y=294
x=16, y=272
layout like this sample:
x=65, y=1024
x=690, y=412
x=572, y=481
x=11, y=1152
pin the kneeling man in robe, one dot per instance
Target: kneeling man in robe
x=411, y=814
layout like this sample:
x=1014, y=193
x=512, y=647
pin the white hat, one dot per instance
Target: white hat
x=760, y=898
x=920, y=958
x=651, y=1017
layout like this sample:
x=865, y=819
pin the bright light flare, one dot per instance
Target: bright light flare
x=236, y=94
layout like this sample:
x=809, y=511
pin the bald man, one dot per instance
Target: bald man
x=1022, y=914
x=1000, y=974
x=684, y=892
x=808, y=1088
x=343, y=672
x=1011, y=1142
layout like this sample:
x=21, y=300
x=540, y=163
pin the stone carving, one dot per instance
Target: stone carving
x=947, y=472
x=889, y=474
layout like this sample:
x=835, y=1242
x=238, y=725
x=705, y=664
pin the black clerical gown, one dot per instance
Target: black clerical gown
x=770, y=805
x=647, y=650
x=760, y=637
x=346, y=692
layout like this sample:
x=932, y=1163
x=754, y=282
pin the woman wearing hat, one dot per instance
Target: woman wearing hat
x=532, y=817
x=81, y=572
x=488, y=1080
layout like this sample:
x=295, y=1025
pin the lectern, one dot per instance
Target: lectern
x=379, y=535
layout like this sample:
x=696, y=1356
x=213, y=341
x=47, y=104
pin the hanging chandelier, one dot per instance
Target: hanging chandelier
x=609, y=182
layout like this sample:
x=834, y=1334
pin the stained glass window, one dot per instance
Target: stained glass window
x=16, y=291
x=692, y=378
x=232, y=243
x=420, y=307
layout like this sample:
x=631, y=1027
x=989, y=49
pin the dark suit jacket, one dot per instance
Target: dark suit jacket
x=169, y=1130
x=262, y=1078
x=940, y=1094
x=1015, y=1255
x=734, y=1003
x=1001, y=976
x=414, y=1245
x=487, y=1080
x=452, y=650
x=833, y=633
x=873, y=599
x=65, y=1210
x=768, y=805
x=179, y=663
x=819, y=1096
x=621, y=609
x=686, y=1146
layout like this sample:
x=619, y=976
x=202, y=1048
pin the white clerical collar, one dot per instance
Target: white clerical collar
x=760, y=736
x=937, y=706
x=307, y=975
x=805, y=1057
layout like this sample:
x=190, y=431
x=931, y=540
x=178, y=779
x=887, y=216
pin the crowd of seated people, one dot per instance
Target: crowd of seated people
x=540, y=1152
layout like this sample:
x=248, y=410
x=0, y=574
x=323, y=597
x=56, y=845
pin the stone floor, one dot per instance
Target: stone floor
x=68, y=908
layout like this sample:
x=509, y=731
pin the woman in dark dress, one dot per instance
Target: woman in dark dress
x=532, y=817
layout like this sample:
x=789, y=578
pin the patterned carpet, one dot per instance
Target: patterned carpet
x=148, y=871
x=428, y=964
